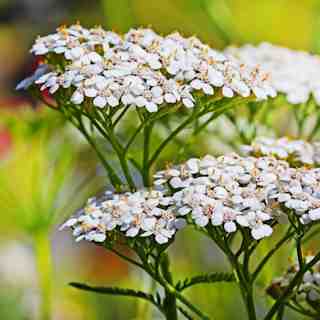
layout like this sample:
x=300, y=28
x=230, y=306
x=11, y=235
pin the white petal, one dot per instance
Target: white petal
x=170, y=98
x=151, y=107
x=157, y=91
x=90, y=92
x=127, y=99
x=140, y=101
x=261, y=231
x=314, y=214
x=188, y=103
x=94, y=57
x=230, y=226
x=54, y=88
x=148, y=223
x=197, y=84
x=215, y=77
x=77, y=97
x=227, y=92
x=176, y=183
x=193, y=165
x=132, y=232
x=207, y=89
x=113, y=101
x=100, y=102
x=180, y=223
x=154, y=64
x=97, y=237
x=69, y=223
x=161, y=239
x=243, y=220
x=202, y=221
x=217, y=218
x=184, y=210
x=59, y=50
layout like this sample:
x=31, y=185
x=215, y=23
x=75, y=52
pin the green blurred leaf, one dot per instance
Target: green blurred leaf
x=119, y=14
x=39, y=177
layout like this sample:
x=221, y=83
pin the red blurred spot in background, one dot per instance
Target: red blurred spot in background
x=5, y=142
x=105, y=265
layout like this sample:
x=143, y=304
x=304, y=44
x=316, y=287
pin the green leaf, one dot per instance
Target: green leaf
x=118, y=292
x=205, y=278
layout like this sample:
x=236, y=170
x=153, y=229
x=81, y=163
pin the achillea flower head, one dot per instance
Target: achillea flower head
x=233, y=191
x=142, y=213
x=292, y=73
x=308, y=291
x=297, y=152
x=141, y=68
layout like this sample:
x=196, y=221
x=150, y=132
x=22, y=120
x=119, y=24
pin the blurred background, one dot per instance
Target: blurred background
x=46, y=171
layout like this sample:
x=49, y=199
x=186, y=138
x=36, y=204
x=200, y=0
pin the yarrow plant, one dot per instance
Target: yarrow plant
x=295, y=74
x=306, y=298
x=295, y=77
x=101, y=76
x=101, y=81
x=297, y=152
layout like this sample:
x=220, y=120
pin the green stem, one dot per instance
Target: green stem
x=167, y=286
x=280, y=313
x=123, y=112
x=44, y=266
x=300, y=113
x=242, y=272
x=300, y=309
x=76, y=119
x=299, y=252
x=114, y=179
x=123, y=162
x=314, y=233
x=169, y=304
x=146, y=150
x=170, y=137
x=133, y=137
x=108, y=134
x=235, y=124
x=186, y=302
x=315, y=129
x=246, y=287
x=119, y=152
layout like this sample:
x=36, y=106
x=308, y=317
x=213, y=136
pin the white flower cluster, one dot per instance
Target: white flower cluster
x=143, y=213
x=294, y=151
x=228, y=191
x=309, y=289
x=232, y=191
x=293, y=73
x=141, y=68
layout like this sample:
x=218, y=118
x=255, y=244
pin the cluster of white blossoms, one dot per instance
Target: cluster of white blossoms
x=229, y=191
x=233, y=191
x=141, y=68
x=295, y=151
x=143, y=213
x=293, y=73
x=309, y=289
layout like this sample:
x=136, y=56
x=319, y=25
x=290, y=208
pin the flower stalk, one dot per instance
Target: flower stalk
x=42, y=248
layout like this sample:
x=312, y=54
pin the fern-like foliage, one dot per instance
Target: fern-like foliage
x=120, y=292
x=205, y=278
